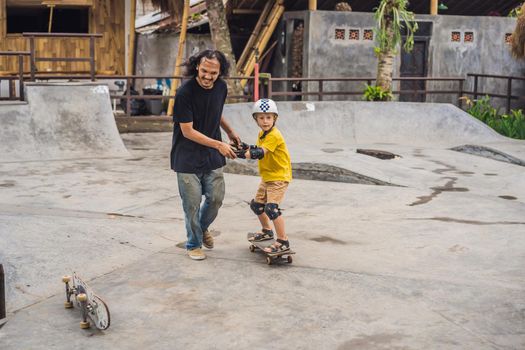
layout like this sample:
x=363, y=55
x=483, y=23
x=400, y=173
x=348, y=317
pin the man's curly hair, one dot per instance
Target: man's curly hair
x=193, y=62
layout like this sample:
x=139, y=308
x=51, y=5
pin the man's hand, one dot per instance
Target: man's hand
x=234, y=138
x=226, y=150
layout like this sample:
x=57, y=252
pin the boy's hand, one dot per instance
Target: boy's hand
x=240, y=153
x=239, y=149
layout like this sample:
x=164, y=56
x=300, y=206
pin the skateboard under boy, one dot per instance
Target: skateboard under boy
x=91, y=306
x=270, y=257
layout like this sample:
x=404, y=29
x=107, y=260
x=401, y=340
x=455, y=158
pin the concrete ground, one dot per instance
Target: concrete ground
x=435, y=261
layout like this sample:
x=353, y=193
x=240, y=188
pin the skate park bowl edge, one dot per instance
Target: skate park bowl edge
x=60, y=121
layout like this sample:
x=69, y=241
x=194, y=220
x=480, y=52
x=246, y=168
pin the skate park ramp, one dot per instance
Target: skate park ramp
x=60, y=121
x=326, y=139
x=346, y=122
x=435, y=262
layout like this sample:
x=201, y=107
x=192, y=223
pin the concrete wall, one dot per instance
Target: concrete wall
x=487, y=54
x=157, y=53
x=326, y=56
x=354, y=58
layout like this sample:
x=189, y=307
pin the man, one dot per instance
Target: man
x=198, y=153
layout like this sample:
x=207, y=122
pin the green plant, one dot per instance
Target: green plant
x=395, y=26
x=482, y=109
x=392, y=17
x=515, y=12
x=376, y=93
x=510, y=125
x=195, y=17
x=513, y=124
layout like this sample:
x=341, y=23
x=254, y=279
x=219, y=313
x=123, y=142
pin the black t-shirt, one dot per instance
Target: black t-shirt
x=203, y=107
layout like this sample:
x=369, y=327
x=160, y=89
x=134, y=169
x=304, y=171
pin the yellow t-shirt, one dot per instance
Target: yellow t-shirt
x=276, y=164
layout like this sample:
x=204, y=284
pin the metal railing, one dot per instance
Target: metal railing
x=270, y=84
x=20, y=76
x=320, y=93
x=33, y=59
x=508, y=96
x=130, y=82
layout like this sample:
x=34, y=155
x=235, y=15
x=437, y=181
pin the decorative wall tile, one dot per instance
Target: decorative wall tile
x=455, y=37
x=469, y=37
x=339, y=34
x=368, y=34
x=354, y=34
x=508, y=38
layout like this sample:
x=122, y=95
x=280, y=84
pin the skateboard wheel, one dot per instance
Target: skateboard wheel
x=84, y=325
x=289, y=259
x=268, y=260
x=82, y=297
x=66, y=279
x=252, y=248
x=68, y=304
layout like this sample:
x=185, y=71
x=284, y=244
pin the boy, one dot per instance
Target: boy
x=275, y=169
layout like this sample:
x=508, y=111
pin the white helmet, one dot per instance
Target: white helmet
x=265, y=105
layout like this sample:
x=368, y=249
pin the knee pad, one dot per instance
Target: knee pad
x=272, y=210
x=257, y=208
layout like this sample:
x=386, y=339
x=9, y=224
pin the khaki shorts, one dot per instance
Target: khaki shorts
x=271, y=192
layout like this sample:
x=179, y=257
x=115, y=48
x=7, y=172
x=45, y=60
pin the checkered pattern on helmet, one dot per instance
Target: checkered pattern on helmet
x=264, y=105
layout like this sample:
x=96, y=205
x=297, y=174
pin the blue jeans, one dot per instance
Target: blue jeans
x=199, y=217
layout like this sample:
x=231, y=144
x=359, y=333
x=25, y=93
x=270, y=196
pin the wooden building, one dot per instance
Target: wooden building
x=106, y=17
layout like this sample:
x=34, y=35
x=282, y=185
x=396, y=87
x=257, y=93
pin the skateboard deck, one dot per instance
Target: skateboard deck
x=91, y=306
x=270, y=257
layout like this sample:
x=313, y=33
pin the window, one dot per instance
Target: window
x=36, y=19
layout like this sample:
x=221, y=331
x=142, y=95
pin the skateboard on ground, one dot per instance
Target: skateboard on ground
x=78, y=293
x=270, y=257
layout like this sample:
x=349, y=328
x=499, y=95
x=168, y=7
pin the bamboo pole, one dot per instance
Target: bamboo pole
x=256, y=80
x=180, y=55
x=433, y=7
x=263, y=42
x=312, y=5
x=261, y=34
x=131, y=43
x=253, y=37
x=265, y=25
x=50, y=24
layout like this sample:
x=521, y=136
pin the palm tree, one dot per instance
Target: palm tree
x=392, y=17
x=220, y=33
x=220, y=36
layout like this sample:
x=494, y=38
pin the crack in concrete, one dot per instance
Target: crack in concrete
x=448, y=187
x=471, y=222
x=490, y=153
